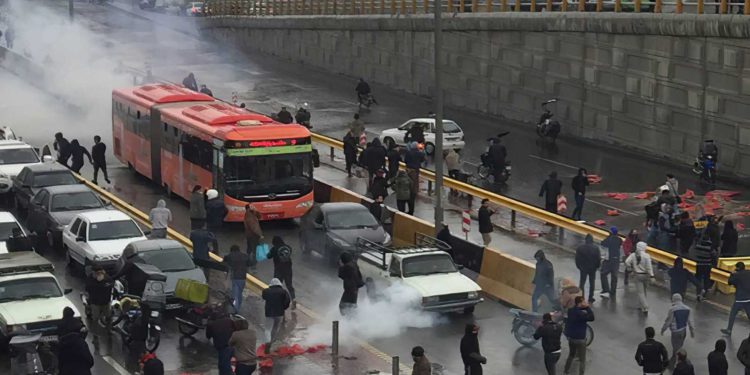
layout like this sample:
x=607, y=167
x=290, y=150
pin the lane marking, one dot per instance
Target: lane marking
x=553, y=162
x=116, y=366
x=612, y=207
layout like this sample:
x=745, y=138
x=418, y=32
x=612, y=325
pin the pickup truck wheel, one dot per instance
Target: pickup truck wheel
x=469, y=310
x=372, y=293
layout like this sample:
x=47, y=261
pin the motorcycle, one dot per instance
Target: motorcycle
x=196, y=317
x=485, y=170
x=134, y=312
x=118, y=291
x=30, y=356
x=547, y=127
x=707, y=176
x=525, y=324
x=366, y=100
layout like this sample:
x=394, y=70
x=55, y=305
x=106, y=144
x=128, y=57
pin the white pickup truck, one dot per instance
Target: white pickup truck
x=425, y=268
x=31, y=299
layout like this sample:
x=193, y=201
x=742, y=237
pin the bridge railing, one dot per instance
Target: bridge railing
x=408, y=7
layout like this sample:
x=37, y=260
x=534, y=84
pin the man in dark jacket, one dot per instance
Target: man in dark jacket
x=394, y=158
x=683, y=367
x=100, y=162
x=445, y=236
x=99, y=289
x=544, y=281
x=497, y=154
x=580, y=181
x=550, y=333
x=611, y=265
x=215, y=210
x=686, y=233
x=220, y=329
x=485, y=221
x=238, y=263
x=190, y=82
x=62, y=146
x=576, y=328
x=374, y=159
x=204, y=242
x=470, y=353
x=551, y=188
x=350, y=151
x=69, y=323
x=587, y=262
x=717, y=360
x=281, y=253
x=352, y=278
x=422, y=365
x=651, y=354
x=679, y=277
x=74, y=356
x=740, y=279
x=197, y=207
x=284, y=116
x=277, y=301
x=743, y=354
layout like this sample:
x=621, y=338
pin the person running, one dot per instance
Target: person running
x=640, y=263
x=76, y=155
x=679, y=278
x=652, y=355
x=576, y=328
x=588, y=261
x=550, y=333
x=62, y=146
x=99, y=160
x=717, y=360
x=679, y=320
x=740, y=279
x=579, y=184
x=281, y=253
x=544, y=281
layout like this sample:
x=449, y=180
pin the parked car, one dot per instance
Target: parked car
x=453, y=136
x=170, y=257
x=8, y=222
x=331, y=228
x=14, y=156
x=53, y=207
x=32, y=178
x=98, y=237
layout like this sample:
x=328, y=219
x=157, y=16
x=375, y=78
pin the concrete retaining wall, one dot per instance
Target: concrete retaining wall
x=657, y=83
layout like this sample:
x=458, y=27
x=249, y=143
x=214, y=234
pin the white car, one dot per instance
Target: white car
x=453, y=136
x=98, y=237
x=8, y=222
x=194, y=9
x=14, y=156
x=30, y=297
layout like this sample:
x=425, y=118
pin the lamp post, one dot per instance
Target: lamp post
x=438, y=99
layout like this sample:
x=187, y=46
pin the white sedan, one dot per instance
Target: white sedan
x=98, y=237
x=453, y=136
x=8, y=222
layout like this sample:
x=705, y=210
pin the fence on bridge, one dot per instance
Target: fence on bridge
x=413, y=7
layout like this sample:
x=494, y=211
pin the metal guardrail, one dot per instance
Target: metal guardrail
x=536, y=213
x=403, y=7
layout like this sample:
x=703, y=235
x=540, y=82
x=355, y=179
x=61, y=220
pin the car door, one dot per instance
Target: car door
x=83, y=248
x=70, y=233
x=23, y=190
x=38, y=212
x=316, y=238
x=402, y=131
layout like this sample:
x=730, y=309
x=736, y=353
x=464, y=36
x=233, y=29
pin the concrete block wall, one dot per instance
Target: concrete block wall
x=656, y=83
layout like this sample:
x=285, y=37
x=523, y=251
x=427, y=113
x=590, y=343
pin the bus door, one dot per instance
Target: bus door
x=156, y=138
x=217, y=166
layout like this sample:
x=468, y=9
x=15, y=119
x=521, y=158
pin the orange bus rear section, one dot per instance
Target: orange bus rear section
x=187, y=125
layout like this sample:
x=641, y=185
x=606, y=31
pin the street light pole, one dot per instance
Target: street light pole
x=438, y=98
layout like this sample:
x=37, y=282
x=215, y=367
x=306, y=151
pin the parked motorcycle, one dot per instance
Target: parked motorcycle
x=118, y=291
x=196, y=317
x=546, y=127
x=525, y=324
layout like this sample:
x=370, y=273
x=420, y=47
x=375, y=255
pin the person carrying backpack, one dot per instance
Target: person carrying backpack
x=281, y=253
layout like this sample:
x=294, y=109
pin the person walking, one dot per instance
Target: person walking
x=350, y=151
x=238, y=263
x=485, y=222
x=640, y=263
x=685, y=233
x=99, y=160
x=683, y=367
x=729, y=240
x=375, y=160
x=679, y=277
x=413, y=159
x=679, y=320
x=579, y=183
x=220, y=329
x=204, y=242
x=73, y=355
x=422, y=365
x=99, y=290
x=551, y=188
x=277, y=301
x=76, y=155
x=62, y=146
x=628, y=247
x=550, y=333
x=611, y=265
x=197, y=207
x=394, y=158
x=471, y=355
x=243, y=342
x=652, y=355
x=160, y=217
x=544, y=281
x=379, y=186
x=740, y=279
x=743, y=354
x=588, y=260
x=576, y=328
x=717, y=360
x=216, y=211
x=281, y=253
x=352, y=279
x=253, y=233
x=403, y=188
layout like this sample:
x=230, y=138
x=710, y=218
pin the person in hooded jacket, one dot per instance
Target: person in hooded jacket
x=611, y=265
x=640, y=263
x=679, y=278
x=74, y=356
x=551, y=188
x=743, y=354
x=62, y=146
x=100, y=162
x=69, y=323
x=197, y=207
x=160, y=217
x=190, y=82
x=588, y=261
x=729, y=240
x=717, y=360
x=277, y=301
x=76, y=154
x=550, y=333
x=579, y=183
x=253, y=232
x=679, y=320
x=683, y=367
x=628, y=247
x=379, y=186
x=352, y=279
x=402, y=186
x=576, y=328
x=216, y=211
x=219, y=329
x=284, y=116
x=740, y=279
x=470, y=353
x=445, y=236
x=422, y=365
x=281, y=254
x=350, y=151
x=544, y=281
x=685, y=233
x=374, y=159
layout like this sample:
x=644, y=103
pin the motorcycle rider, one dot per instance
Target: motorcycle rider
x=284, y=116
x=363, y=90
x=497, y=154
x=709, y=148
x=709, y=169
x=303, y=117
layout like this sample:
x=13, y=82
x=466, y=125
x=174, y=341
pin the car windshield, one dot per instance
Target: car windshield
x=167, y=260
x=112, y=230
x=53, y=179
x=18, y=156
x=75, y=201
x=24, y=289
x=6, y=230
x=246, y=177
x=350, y=219
x=450, y=127
x=428, y=265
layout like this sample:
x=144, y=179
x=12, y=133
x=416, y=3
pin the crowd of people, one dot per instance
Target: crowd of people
x=71, y=155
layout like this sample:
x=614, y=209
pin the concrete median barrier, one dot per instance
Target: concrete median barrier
x=506, y=278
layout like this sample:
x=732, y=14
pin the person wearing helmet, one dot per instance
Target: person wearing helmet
x=215, y=210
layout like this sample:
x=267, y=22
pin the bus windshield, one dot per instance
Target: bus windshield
x=249, y=176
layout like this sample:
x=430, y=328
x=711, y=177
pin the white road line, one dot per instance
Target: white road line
x=612, y=207
x=120, y=370
x=553, y=162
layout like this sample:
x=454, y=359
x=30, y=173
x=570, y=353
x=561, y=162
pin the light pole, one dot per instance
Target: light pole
x=437, y=4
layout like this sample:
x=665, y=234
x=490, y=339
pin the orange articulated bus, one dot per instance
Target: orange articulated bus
x=246, y=156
